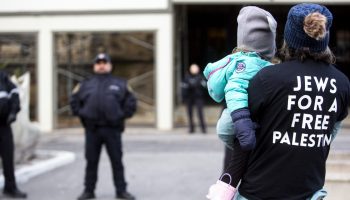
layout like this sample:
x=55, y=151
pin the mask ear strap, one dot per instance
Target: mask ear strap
x=226, y=174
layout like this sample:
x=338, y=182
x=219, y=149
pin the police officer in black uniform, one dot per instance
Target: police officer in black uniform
x=193, y=91
x=103, y=102
x=9, y=107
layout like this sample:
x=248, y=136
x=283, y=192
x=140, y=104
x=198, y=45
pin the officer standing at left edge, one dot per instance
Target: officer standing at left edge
x=9, y=107
x=103, y=102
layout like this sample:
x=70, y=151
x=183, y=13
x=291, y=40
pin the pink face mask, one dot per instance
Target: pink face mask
x=221, y=190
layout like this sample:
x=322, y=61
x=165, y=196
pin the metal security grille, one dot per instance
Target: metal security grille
x=132, y=55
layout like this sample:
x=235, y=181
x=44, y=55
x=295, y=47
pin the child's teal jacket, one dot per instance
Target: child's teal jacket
x=229, y=78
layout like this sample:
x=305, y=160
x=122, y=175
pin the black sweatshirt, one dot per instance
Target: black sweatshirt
x=296, y=104
x=103, y=100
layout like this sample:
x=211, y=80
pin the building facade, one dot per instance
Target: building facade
x=151, y=43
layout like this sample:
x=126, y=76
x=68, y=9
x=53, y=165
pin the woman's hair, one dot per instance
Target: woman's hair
x=314, y=27
x=286, y=53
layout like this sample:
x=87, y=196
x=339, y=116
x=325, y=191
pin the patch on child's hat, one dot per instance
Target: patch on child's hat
x=240, y=67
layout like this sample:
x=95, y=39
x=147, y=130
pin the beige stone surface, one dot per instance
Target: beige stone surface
x=26, y=133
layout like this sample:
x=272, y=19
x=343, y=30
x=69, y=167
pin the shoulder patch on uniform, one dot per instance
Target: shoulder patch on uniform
x=240, y=67
x=76, y=88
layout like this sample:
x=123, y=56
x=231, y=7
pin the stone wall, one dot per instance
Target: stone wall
x=26, y=133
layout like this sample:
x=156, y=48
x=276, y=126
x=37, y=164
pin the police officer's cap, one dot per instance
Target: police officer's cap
x=102, y=57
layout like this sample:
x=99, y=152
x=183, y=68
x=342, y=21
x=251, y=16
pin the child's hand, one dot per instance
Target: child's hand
x=244, y=128
x=221, y=191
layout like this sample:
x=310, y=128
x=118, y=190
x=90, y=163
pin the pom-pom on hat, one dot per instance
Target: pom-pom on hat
x=308, y=26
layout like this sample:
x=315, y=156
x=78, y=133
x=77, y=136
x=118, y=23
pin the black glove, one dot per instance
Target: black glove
x=11, y=118
x=244, y=128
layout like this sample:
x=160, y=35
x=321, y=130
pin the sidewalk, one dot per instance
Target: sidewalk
x=158, y=165
x=346, y=122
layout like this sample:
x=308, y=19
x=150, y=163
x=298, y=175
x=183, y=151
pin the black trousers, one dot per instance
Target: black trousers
x=7, y=156
x=94, y=140
x=198, y=103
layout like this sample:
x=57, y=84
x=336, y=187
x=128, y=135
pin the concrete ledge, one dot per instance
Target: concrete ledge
x=54, y=159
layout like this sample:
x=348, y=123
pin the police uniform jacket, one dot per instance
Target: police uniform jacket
x=9, y=99
x=103, y=100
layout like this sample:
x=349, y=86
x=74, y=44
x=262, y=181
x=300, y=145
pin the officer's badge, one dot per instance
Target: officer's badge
x=240, y=67
x=114, y=87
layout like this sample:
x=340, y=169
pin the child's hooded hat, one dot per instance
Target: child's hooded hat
x=256, y=31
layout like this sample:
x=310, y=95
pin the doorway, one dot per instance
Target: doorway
x=207, y=33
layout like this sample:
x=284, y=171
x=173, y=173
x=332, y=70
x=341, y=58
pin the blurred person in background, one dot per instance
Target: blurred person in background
x=103, y=102
x=193, y=91
x=9, y=107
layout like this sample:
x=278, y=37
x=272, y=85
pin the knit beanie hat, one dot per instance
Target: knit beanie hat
x=256, y=31
x=305, y=29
